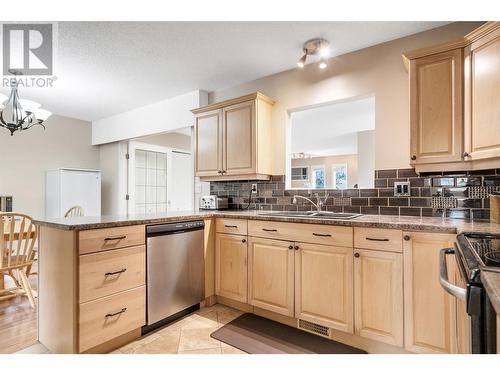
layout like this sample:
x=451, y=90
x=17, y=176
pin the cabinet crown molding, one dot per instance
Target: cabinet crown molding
x=227, y=103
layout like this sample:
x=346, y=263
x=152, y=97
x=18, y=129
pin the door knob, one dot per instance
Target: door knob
x=356, y=255
x=406, y=238
x=290, y=247
x=466, y=155
x=296, y=247
x=243, y=240
x=413, y=157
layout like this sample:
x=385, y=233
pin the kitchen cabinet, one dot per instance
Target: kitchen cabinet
x=324, y=285
x=430, y=312
x=233, y=139
x=271, y=275
x=231, y=266
x=482, y=90
x=378, y=295
x=455, y=103
x=436, y=120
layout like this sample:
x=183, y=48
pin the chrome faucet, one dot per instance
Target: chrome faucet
x=319, y=203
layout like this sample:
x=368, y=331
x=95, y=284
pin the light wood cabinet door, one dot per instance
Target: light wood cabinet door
x=378, y=296
x=208, y=133
x=436, y=100
x=271, y=275
x=324, y=285
x=231, y=266
x=239, y=139
x=429, y=309
x=482, y=89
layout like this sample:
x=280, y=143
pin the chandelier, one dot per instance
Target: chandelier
x=20, y=114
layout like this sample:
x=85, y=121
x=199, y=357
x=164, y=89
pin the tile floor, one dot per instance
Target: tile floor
x=189, y=335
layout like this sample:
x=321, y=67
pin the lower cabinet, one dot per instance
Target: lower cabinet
x=378, y=295
x=271, y=275
x=463, y=325
x=324, y=285
x=231, y=266
x=430, y=312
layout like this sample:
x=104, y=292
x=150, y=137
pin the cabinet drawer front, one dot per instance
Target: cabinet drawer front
x=109, y=317
x=379, y=239
x=110, y=272
x=91, y=241
x=309, y=233
x=231, y=226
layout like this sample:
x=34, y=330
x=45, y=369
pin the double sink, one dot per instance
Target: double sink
x=313, y=214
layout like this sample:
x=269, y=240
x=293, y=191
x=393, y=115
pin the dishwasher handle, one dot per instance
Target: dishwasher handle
x=454, y=290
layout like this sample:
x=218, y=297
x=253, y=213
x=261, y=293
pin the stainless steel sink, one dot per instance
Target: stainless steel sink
x=313, y=214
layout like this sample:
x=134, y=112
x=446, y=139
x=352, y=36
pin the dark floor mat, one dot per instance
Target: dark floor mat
x=256, y=335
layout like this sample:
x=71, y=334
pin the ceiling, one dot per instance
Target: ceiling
x=332, y=129
x=104, y=68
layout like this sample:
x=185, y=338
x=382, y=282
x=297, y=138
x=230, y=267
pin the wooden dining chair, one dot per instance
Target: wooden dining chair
x=74, y=212
x=18, y=236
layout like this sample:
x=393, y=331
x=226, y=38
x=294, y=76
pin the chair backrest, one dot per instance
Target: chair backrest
x=18, y=236
x=74, y=211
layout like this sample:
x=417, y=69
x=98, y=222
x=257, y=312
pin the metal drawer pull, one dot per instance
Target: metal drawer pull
x=377, y=239
x=114, y=273
x=115, y=238
x=322, y=235
x=231, y=226
x=116, y=313
x=269, y=230
x=443, y=276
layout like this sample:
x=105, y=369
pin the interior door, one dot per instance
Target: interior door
x=239, y=139
x=271, y=275
x=378, y=296
x=324, y=285
x=208, y=133
x=180, y=193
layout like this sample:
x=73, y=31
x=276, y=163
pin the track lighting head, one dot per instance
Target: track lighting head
x=322, y=63
x=313, y=47
x=302, y=60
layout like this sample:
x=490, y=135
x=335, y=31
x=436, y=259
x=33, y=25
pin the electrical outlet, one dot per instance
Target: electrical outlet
x=254, y=188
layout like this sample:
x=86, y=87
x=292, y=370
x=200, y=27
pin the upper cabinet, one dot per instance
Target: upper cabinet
x=455, y=103
x=233, y=139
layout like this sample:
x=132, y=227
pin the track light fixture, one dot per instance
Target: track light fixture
x=314, y=47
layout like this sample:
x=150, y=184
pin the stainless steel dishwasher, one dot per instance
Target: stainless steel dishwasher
x=175, y=271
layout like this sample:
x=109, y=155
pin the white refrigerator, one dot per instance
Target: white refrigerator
x=69, y=187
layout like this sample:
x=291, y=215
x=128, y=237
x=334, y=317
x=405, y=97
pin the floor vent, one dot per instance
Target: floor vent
x=317, y=329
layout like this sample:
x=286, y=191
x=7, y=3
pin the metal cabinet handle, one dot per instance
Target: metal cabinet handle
x=116, y=313
x=377, y=239
x=290, y=247
x=443, y=276
x=231, y=226
x=269, y=230
x=243, y=240
x=406, y=237
x=413, y=157
x=219, y=172
x=115, y=238
x=466, y=155
x=321, y=235
x=296, y=247
x=115, y=273
x=356, y=255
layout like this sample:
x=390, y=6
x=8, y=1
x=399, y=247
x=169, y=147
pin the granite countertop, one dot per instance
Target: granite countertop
x=491, y=282
x=432, y=224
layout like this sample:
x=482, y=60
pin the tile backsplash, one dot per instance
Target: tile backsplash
x=457, y=194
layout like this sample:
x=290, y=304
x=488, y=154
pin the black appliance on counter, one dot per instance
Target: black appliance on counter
x=475, y=253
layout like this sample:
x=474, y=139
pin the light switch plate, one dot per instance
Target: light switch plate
x=402, y=189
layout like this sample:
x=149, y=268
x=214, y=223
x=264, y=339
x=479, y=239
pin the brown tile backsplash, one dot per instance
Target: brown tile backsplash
x=430, y=192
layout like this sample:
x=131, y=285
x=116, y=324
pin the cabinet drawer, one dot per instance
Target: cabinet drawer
x=311, y=233
x=110, y=272
x=379, y=239
x=91, y=241
x=109, y=317
x=231, y=226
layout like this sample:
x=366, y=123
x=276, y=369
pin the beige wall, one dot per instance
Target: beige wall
x=26, y=156
x=328, y=162
x=377, y=70
x=173, y=140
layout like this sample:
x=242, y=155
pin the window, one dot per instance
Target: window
x=150, y=181
x=300, y=173
x=318, y=177
x=339, y=176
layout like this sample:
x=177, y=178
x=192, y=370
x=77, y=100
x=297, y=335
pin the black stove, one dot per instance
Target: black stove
x=477, y=253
